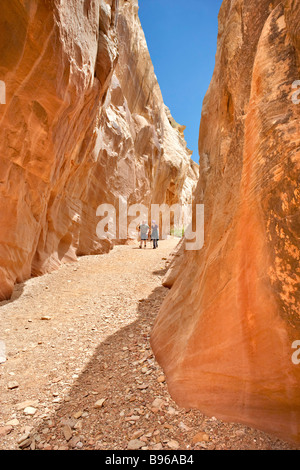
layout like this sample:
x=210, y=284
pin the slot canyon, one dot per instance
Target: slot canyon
x=107, y=346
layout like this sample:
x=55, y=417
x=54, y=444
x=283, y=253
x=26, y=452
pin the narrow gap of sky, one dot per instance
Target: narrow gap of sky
x=182, y=41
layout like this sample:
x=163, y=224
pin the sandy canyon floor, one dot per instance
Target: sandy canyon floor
x=80, y=373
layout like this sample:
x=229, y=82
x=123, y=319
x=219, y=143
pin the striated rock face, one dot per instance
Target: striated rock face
x=225, y=332
x=84, y=123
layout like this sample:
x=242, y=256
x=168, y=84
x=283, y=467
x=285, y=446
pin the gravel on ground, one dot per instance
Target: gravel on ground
x=79, y=370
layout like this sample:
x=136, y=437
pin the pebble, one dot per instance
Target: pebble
x=135, y=444
x=25, y=404
x=174, y=445
x=25, y=443
x=184, y=427
x=161, y=379
x=33, y=444
x=132, y=418
x=142, y=387
x=13, y=422
x=137, y=434
x=12, y=385
x=30, y=411
x=67, y=431
x=158, y=447
x=99, y=404
x=23, y=438
x=157, y=403
x=74, y=442
x=201, y=436
x=4, y=430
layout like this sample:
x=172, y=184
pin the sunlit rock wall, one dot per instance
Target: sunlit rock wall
x=225, y=332
x=84, y=123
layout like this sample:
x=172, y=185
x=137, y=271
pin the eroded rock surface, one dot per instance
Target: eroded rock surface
x=84, y=123
x=224, y=334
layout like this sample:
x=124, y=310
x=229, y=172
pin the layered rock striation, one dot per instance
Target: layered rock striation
x=84, y=123
x=226, y=331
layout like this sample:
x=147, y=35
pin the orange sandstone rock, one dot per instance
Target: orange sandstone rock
x=84, y=123
x=224, y=334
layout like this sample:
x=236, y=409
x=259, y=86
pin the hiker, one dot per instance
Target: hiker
x=138, y=229
x=144, y=229
x=154, y=234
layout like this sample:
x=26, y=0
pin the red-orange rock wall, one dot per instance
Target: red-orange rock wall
x=224, y=334
x=84, y=123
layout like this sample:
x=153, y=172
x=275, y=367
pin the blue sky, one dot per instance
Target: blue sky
x=182, y=40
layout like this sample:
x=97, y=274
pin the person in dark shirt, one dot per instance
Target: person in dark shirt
x=144, y=229
x=154, y=234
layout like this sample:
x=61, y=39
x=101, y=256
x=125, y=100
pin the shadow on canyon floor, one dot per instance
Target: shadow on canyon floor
x=124, y=377
x=162, y=271
x=114, y=373
x=17, y=293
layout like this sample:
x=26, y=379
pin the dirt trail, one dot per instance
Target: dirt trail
x=80, y=373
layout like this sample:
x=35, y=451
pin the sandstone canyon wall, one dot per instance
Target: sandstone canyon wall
x=84, y=123
x=224, y=334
